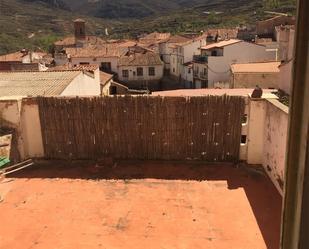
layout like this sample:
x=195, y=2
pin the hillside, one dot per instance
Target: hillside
x=51, y=3
x=118, y=9
x=38, y=23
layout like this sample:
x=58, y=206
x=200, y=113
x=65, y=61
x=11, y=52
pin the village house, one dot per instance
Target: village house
x=110, y=87
x=266, y=28
x=183, y=53
x=287, y=48
x=140, y=68
x=151, y=41
x=215, y=35
x=25, y=60
x=248, y=75
x=49, y=83
x=285, y=39
x=166, y=50
x=79, y=39
x=81, y=49
x=106, y=57
x=213, y=65
x=187, y=75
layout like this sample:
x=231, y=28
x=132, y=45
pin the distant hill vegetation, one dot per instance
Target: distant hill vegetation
x=118, y=9
x=53, y=3
x=38, y=23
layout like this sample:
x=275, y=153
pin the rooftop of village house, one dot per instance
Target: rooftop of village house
x=106, y=50
x=262, y=67
x=35, y=83
x=267, y=93
x=221, y=44
x=19, y=55
x=140, y=58
x=70, y=67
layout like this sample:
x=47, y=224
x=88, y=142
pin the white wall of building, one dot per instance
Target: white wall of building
x=31, y=131
x=267, y=137
x=183, y=54
x=275, y=141
x=285, y=77
x=242, y=52
x=165, y=53
x=255, y=138
x=132, y=70
x=23, y=116
x=250, y=80
x=187, y=76
x=84, y=84
x=200, y=74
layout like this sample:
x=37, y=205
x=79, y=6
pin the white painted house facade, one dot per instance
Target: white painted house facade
x=140, y=69
x=183, y=53
x=216, y=59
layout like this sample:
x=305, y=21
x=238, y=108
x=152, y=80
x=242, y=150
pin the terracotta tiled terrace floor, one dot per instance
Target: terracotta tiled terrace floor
x=139, y=205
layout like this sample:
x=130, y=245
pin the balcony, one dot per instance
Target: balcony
x=202, y=76
x=200, y=58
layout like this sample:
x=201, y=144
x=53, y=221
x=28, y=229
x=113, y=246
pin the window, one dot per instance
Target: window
x=214, y=53
x=196, y=70
x=84, y=63
x=140, y=71
x=205, y=71
x=243, y=139
x=244, y=119
x=106, y=67
x=189, y=70
x=152, y=71
x=125, y=73
x=174, y=70
x=113, y=90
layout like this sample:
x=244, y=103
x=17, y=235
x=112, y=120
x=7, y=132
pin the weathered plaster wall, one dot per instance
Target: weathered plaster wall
x=285, y=78
x=250, y=80
x=31, y=129
x=267, y=138
x=10, y=119
x=83, y=85
x=256, y=125
x=10, y=112
x=275, y=141
x=23, y=116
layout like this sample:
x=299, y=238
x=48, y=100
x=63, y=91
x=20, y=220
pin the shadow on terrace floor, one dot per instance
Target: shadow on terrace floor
x=264, y=199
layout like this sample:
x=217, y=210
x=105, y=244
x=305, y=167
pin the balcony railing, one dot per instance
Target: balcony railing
x=200, y=58
x=200, y=75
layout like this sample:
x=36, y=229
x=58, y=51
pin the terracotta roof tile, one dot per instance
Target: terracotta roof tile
x=35, y=83
x=221, y=44
x=264, y=67
x=105, y=77
x=69, y=67
x=107, y=50
x=223, y=33
x=206, y=92
x=146, y=58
